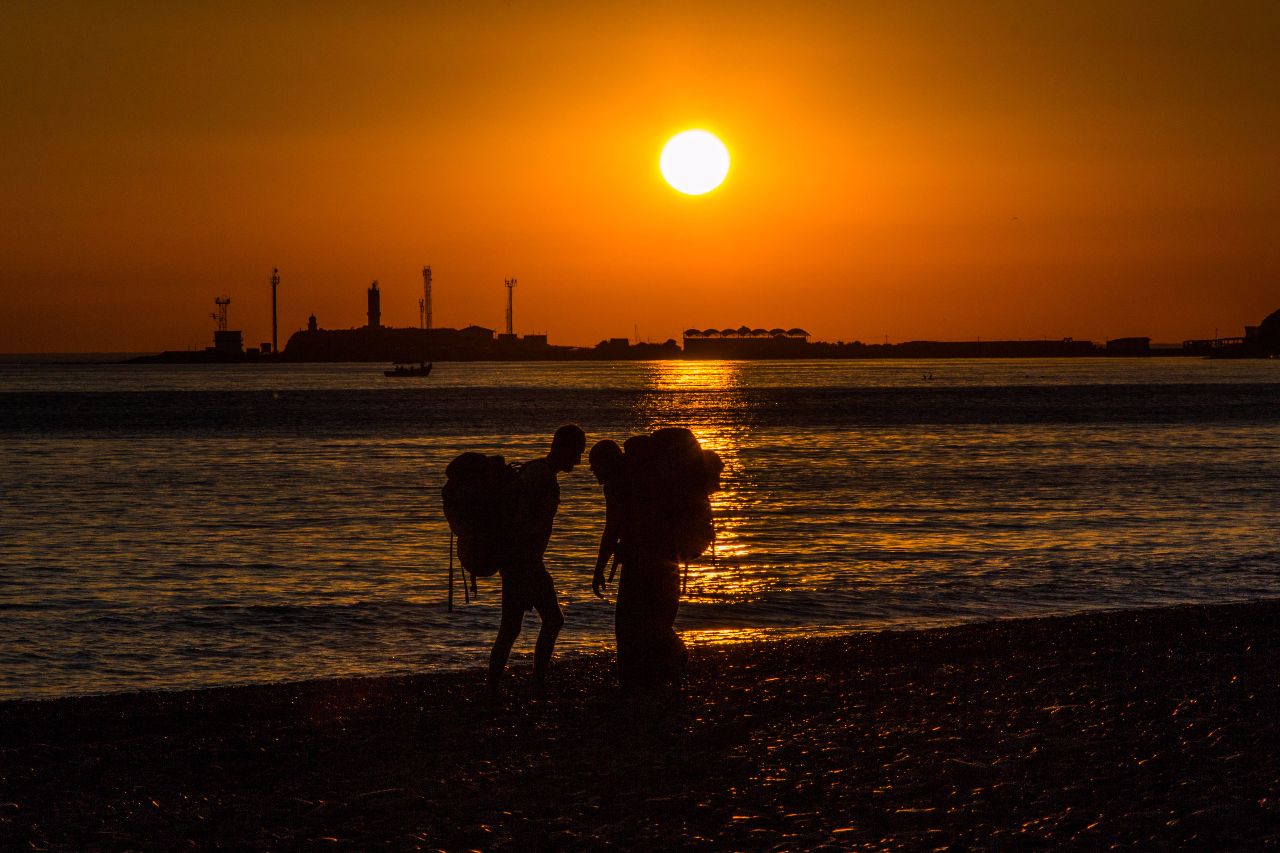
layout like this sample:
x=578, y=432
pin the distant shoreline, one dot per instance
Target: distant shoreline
x=1142, y=727
x=58, y=359
x=911, y=351
x=69, y=357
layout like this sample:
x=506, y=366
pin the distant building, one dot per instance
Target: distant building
x=311, y=323
x=510, y=344
x=745, y=342
x=476, y=335
x=228, y=342
x=622, y=349
x=1260, y=341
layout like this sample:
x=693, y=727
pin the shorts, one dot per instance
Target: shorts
x=529, y=588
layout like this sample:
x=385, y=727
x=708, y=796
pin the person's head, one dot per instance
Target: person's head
x=605, y=459
x=566, y=447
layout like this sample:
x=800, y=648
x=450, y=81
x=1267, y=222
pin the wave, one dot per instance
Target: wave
x=458, y=411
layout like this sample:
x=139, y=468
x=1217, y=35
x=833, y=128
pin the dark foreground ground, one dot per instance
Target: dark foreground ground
x=1153, y=728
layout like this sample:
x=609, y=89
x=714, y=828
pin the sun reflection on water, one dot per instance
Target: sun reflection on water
x=736, y=636
x=725, y=572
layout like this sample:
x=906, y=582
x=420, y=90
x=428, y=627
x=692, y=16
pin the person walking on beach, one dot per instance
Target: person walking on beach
x=649, y=651
x=526, y=583
x=656, y=515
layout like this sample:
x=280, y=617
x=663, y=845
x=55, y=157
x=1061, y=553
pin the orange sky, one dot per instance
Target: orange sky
x=946, y=171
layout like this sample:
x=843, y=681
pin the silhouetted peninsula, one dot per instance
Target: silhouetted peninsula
x=477, y=343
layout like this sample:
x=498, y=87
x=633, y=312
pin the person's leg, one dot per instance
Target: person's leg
x=544, y=601
x=676, y=656
x=635, y=623
x=508, y=630
x=629, y=628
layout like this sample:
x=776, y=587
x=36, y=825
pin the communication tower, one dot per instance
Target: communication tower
x=220, y=315
x=275, y=282
x=426, y=297
x=227, y=342
x=511, y=286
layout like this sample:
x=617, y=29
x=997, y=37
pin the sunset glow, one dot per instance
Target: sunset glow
x=1003, y=172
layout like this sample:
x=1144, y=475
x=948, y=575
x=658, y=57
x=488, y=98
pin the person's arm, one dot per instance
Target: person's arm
x=608, y=545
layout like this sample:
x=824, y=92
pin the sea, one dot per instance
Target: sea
x=180, y=526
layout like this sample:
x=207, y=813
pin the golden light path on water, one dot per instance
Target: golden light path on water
x=848, y=536
x=724, y=572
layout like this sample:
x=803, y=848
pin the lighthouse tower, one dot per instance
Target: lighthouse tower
x=375, y=306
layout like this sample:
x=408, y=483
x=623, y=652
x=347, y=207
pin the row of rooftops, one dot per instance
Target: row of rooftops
x=745, y=332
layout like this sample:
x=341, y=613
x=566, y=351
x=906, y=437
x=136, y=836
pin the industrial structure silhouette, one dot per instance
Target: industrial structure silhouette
x=376, y=342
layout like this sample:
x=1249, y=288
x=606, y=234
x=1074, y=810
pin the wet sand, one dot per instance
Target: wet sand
x=1144, y=728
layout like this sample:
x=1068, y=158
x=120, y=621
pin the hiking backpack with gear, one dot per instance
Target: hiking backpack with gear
x=477, y=497
x=672, y=477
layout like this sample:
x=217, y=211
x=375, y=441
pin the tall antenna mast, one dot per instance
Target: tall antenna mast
x=510, y=284
x=275, y=282
x=220, y=316
x=426, y=297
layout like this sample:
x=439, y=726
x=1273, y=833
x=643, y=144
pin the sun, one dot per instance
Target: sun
x=694, y=162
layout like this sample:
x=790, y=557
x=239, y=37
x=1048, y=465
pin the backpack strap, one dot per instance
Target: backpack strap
x=468, y=589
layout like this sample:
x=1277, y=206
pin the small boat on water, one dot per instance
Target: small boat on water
x=421, y=369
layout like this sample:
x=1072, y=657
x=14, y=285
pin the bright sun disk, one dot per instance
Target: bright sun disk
x=694, y=162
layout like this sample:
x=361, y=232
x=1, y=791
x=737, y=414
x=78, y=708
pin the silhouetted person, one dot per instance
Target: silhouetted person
x=652, y=519
x=526, y=583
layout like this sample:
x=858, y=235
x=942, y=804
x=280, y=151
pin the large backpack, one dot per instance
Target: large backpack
x=477, y=497
x=671, y=479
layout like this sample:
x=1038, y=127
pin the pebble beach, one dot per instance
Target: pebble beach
x=1144, y=728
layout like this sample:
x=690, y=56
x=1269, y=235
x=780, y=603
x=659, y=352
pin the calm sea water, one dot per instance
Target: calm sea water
x=174, y=526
